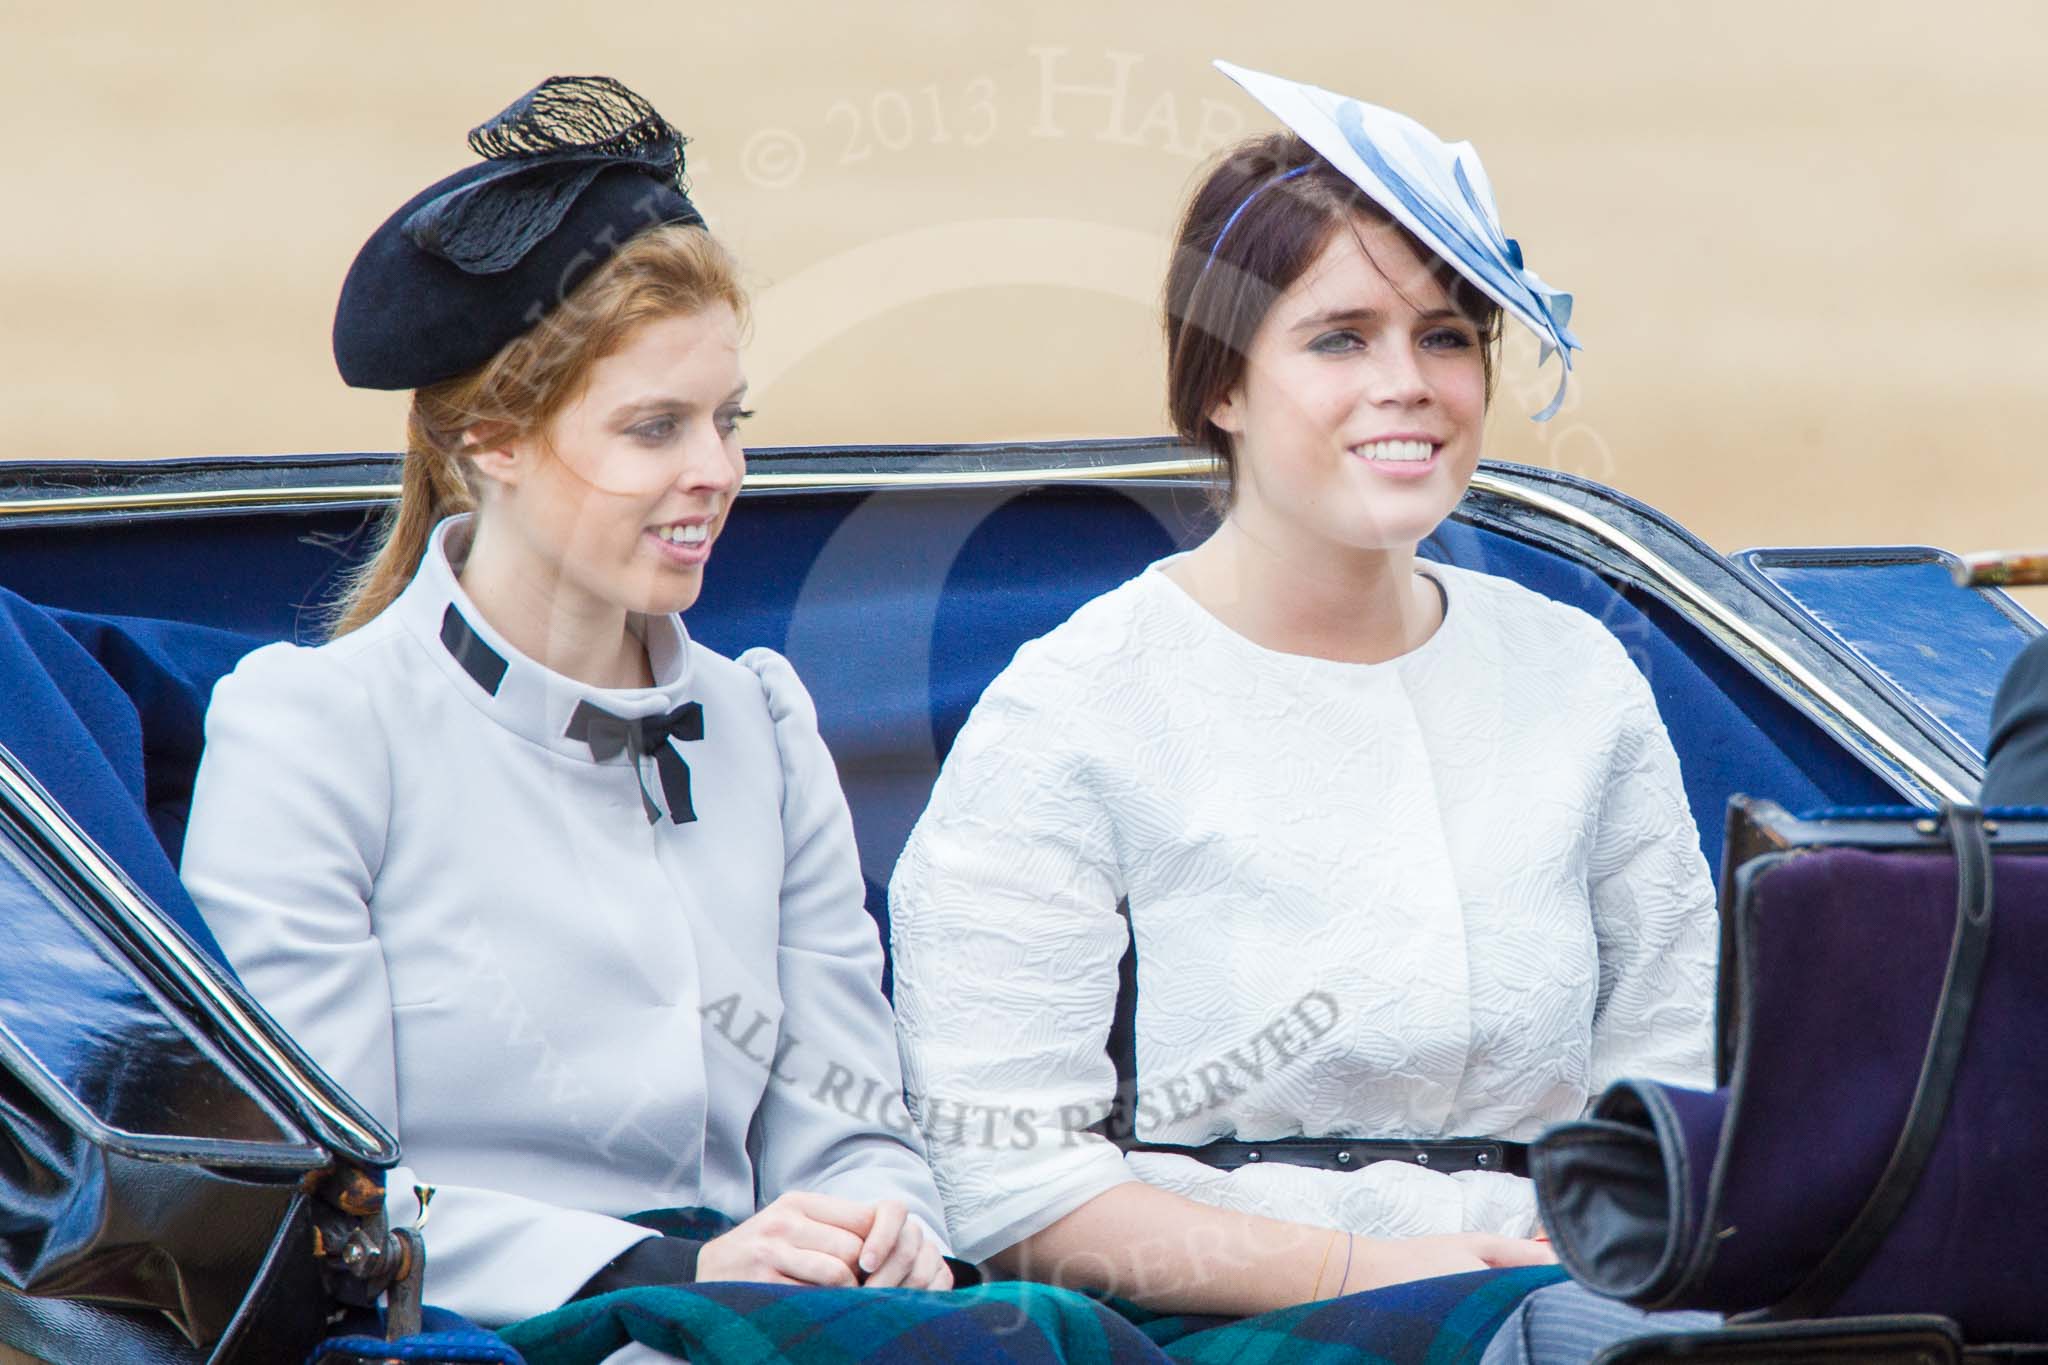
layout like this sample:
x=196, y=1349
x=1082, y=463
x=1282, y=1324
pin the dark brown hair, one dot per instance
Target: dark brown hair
x=1288, y=201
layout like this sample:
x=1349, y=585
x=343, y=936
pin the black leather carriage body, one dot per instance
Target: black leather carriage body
x=163, y=1200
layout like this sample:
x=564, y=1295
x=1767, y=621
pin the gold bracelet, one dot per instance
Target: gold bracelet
x=1329, y=1246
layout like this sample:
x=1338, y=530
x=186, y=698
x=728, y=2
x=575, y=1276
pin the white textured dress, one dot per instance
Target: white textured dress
x=1453, y=894
x=565, y=1012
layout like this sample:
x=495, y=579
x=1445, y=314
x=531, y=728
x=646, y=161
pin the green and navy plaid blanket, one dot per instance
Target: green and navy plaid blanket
x=1446, y=1321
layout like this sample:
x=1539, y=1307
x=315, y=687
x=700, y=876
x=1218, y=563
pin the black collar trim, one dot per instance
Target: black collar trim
x=485, y=666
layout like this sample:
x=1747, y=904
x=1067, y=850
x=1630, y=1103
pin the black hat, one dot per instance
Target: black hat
x=576, y=167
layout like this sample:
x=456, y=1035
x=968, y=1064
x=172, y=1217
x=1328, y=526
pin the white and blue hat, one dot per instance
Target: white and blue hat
x=1435, y=189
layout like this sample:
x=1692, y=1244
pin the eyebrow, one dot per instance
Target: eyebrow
x=668, y=403
x=1331, y=317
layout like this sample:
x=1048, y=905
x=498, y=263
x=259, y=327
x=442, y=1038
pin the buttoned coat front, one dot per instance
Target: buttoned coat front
x=1455, y=894
x=566, y=1012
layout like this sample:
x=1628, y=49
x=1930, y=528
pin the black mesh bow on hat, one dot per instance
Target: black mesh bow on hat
x=573, y=169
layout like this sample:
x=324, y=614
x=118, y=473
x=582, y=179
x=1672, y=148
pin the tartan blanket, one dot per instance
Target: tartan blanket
x=1443, y=1321
x=1446, y=1321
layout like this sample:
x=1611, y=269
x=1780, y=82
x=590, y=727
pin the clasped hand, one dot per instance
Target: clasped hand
x=817, y=1239
x=1393, y=1260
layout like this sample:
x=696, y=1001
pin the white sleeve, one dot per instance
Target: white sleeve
x=290, y=814
x=1653, y=911
x=1006, y=935
x=839, y=1127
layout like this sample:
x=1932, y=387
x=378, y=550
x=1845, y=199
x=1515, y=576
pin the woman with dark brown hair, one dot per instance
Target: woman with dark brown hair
x=1275, y=900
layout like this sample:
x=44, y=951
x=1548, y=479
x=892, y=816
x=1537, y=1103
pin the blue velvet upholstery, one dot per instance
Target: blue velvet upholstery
x=896, y=609
x=106, y=712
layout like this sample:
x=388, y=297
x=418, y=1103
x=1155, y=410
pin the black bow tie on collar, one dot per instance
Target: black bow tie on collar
x=609, y=736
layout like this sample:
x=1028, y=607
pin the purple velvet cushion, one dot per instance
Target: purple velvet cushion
x=1841, y=957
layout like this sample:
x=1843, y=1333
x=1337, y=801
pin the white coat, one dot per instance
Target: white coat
x=1450, y=895
x=565, y=1013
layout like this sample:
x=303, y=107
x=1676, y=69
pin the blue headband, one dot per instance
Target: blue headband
x=1236, y=213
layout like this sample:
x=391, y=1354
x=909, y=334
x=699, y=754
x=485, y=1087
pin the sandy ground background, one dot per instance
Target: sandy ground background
x=1805, y=236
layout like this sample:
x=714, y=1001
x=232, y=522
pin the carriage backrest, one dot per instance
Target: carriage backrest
x=896, y=608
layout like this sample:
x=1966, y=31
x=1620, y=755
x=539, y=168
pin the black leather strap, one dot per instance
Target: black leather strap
x=1355, y=1154
x=1331, y=1154
x=1902, y=1339
x=1967, y=950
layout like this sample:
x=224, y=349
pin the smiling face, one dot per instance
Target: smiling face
x=616, y=503
x=1356, y=423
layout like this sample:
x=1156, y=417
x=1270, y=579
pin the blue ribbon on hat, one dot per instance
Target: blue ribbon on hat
x=1486, y=252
